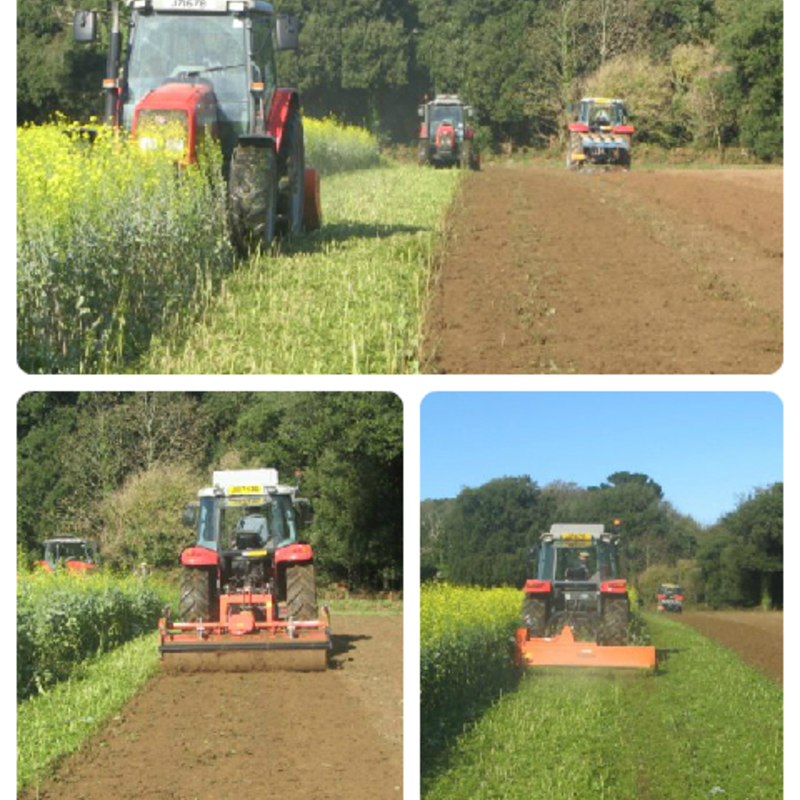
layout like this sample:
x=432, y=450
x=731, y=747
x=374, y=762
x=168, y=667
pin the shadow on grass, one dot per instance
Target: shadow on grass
x=440, y=734
x=341, y=232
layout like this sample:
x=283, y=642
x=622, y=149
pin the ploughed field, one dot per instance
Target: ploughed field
x=757, y=638
x=648, y=271
x=226, y=735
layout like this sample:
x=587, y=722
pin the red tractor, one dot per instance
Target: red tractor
x=198, y=68
x=248, y=593
x=445, y=138
x=76, y=556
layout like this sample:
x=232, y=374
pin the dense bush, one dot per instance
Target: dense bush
x=63, y=620
x=113, y=243
x=465, y=654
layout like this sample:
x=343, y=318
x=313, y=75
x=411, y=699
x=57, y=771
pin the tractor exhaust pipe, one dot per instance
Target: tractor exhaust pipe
x=111, y=82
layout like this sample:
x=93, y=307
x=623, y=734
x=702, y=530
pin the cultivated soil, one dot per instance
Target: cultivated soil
x=756, y=637
x=326, y=735
x=648, y=271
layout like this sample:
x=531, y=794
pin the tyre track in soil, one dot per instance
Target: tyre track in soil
x=652, y=272
x=324, y=736
x=755, y=636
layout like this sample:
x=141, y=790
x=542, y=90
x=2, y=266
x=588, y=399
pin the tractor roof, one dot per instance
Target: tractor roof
x=65, y=540
x=602, y=101
x=576, y=532
x=447, y=100
x=246, y=482
x=203, y=6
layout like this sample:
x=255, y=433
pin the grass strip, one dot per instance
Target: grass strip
x=706, y=726
x=55, y=724
x=350, y=298
x=362, y=605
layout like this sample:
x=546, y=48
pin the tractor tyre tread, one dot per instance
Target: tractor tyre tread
x=253, y=195
x=291, y=183
x=197, y=594
x=534, y=616
x=616, y=613
x=301, y=592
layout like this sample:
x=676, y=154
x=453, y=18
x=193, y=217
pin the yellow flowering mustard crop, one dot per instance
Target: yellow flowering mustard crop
x=332, y=146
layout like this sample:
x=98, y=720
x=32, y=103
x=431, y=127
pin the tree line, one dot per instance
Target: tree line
x=487, y=536
x=705, y=74
x=118, y=468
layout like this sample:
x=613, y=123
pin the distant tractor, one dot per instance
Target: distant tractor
x=206, y=68
x=600, y=134
x=70, y=553
x=248, y=590
x=670, y=598
x=445, y=138
x=575, y=612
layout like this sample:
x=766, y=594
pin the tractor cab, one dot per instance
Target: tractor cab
x=602, y=113
x=71, y=553
x=445, y=137
x=587, y=555
x=670, y=597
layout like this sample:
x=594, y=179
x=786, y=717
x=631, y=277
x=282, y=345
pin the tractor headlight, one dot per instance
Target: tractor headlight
x=148, y=143
x=163, y=129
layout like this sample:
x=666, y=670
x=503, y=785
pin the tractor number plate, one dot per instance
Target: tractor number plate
x=244, y=490
x=577, y=596
x=576, y=537
x=255, y=553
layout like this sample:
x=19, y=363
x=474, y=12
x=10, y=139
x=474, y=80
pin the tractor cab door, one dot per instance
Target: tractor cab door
x=262, y=69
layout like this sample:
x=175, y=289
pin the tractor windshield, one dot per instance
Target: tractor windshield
x=607, y=114
x=452, y=114
x=210, y=48
x=255, y=523
x=593, y=563
x=68, y=551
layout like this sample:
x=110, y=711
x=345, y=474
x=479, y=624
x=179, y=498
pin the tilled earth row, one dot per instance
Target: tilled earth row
x=653, y=271
x=325, y=736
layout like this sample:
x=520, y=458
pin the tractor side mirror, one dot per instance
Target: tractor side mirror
x=421, y=112
x=84, y=27
x=287, y=32
x=189, y=516
x=470, y=112
x=304, y=510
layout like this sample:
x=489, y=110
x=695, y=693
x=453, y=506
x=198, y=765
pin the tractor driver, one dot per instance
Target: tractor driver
x=578, y=570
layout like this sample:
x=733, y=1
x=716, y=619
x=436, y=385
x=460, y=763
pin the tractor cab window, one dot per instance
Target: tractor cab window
x=206, y=528
x=585, y=563
x=263, y=60
x=68, y=551
x=209, y=48
x=452, y=114
x=252, y=525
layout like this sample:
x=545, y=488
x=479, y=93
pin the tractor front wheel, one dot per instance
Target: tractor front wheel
x=253, y=193
x=614, y=629
x=534, y=616
x=574, y=147
x=301, y=591
x=291, y=168
x=198, y=587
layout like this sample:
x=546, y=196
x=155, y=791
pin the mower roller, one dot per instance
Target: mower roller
x=576, y=612
x=248, y=595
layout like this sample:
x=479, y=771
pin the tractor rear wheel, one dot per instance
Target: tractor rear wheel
x=614, y=628
x=198, y=599
x=291, y=168
x=253, y=193
x=301, y=591
x=573, y=148
x=534, y=615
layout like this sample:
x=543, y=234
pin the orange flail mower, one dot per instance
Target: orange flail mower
x=564, y=651
x=576, y=596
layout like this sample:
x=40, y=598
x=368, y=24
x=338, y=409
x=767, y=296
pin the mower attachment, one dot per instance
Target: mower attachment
x=242, y=643
x=564, y=651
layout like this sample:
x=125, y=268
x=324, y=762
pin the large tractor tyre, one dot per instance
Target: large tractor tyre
x=465, y=159
x=614, y=628
x=198, y=594
x=291, y=169
x=534, y=616
x=301, y=591
x=253, y=194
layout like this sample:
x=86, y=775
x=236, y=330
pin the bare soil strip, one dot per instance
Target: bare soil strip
x=668, y=271
x=324, y=736
x=757, y=637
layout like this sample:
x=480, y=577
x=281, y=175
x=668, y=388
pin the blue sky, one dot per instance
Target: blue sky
x=706, y=449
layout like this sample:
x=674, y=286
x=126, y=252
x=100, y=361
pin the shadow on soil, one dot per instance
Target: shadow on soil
x=343, y=644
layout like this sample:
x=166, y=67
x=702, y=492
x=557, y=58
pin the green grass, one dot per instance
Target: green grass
x=350, y=298
x=706, y=726
x=55, y=724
